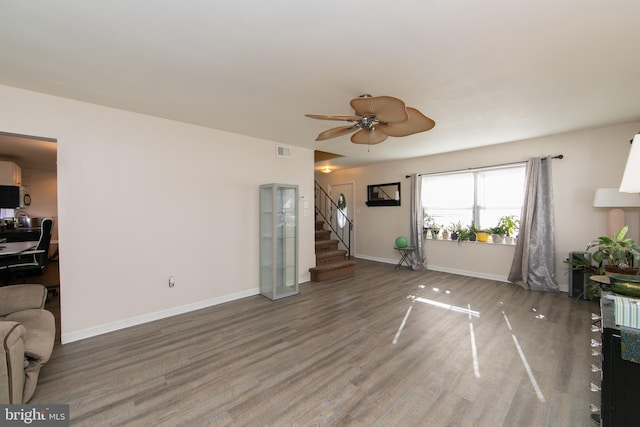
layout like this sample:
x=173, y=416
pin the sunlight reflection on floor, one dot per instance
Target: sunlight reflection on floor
x=471, y=314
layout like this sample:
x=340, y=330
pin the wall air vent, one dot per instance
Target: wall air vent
x=283, y=151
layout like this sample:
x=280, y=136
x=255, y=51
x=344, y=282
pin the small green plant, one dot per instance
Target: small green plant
x=474, y=230
x=466, y=233
x=427, y=218
x=456, y=227
x=509, y=224
x=497, y=230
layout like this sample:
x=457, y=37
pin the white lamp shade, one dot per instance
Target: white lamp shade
x=613, y=198
x=631, y=178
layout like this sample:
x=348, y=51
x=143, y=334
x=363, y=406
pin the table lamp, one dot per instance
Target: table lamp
x=631, y=178
x=613, y=199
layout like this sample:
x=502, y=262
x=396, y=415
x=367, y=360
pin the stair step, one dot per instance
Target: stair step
x=328, y=257
x=326, y=245
x=332, y=271
x=323, y=234
x=319, y=225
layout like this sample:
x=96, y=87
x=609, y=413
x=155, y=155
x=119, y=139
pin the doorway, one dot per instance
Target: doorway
x=348, y=190
x=36, y=160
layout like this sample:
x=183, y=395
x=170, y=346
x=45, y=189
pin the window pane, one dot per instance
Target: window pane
x=500, y=193
x=449, y=198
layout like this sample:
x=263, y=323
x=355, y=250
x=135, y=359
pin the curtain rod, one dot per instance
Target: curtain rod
x=559, y=156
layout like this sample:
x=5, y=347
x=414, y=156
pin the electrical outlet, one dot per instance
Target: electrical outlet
x=172, y=281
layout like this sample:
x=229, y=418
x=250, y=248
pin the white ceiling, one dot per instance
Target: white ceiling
x=487, y=72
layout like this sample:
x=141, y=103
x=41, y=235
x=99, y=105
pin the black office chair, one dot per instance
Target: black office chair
x=34, y=261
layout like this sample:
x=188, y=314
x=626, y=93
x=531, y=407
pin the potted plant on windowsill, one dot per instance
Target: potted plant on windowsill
x=617, y=255
x=510, y=224
x=456, y=229
x=466, y=233
x=431, y=230
x=482, y=235
x=435, y=231
x=497, y=234
x=472, y=231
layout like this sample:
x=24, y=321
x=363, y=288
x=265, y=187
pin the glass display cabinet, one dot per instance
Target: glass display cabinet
x=278, y=240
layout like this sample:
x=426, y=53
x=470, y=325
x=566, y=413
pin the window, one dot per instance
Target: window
x=7, y=213
x=480, y=196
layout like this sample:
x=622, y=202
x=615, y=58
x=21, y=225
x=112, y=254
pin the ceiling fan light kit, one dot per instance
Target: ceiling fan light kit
x=375, y=119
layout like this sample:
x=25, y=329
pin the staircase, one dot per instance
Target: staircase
x=331, y=262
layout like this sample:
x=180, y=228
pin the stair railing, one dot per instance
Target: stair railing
x=328, y=210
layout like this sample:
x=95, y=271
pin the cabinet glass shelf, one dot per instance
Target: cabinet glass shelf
x=278, y=240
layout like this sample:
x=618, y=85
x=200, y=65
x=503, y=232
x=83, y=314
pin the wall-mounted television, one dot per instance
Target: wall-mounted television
x=9, y=196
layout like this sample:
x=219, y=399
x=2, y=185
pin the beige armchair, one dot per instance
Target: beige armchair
x=27, y=332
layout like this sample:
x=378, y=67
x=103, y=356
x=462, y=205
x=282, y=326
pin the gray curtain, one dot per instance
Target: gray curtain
x=415, y=237
x=534, y=261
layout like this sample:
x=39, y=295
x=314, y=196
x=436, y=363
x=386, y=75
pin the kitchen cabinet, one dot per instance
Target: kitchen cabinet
x=10, y=173
x=278, y=240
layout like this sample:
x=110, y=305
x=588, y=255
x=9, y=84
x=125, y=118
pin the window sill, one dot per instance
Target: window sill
x=470, y=242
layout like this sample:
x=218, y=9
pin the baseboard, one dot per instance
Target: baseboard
x=371, y=258
x=146, y=318
x=563, y=287
x=475, y=274
x=441, y=269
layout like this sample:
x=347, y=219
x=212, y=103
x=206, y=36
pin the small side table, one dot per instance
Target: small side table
x=603, y=282
x=601, y=279
x=406, y=256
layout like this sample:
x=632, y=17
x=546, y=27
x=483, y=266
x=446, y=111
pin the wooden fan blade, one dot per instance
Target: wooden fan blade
x=417, y=122
x=336, y=132
x=385, y=108
x=370, y=137
x=333, y=117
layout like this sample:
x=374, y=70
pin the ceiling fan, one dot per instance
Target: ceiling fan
x=375, y=119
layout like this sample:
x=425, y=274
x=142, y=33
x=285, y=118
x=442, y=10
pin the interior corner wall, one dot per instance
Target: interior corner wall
x=592, y=159
x=142, y=198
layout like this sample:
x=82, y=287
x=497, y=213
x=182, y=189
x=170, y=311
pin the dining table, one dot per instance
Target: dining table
x=17, y=248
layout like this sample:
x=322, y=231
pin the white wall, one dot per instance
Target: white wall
x=592, y=159
x=141, y=198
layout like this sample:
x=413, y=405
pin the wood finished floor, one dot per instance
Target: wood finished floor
x=327, y=357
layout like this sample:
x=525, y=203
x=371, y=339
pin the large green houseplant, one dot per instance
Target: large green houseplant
x=617, y=255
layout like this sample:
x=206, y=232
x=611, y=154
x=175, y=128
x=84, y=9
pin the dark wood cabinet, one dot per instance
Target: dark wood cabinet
x=620, y=385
